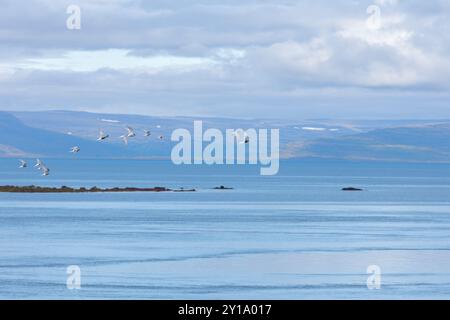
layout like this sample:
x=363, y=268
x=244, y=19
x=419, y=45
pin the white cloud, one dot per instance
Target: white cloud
x=115, y=59
x=217, y=57
x=302, y=57
x=386, y=2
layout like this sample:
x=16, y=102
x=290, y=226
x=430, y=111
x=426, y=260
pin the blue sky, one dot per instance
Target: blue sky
x=278, y=59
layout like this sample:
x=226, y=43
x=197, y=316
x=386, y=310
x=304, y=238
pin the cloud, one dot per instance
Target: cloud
x=252, y=58
x=117, y=59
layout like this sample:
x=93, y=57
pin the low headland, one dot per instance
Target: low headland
x=64, y=189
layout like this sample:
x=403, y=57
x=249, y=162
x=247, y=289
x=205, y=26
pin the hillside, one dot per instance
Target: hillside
x=416, y=143
x=53, y=133
x=20, y=140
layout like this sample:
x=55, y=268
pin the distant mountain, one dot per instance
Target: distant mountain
x=53, y=133
x=20, y=140
x=412, y=143
x=86, y=126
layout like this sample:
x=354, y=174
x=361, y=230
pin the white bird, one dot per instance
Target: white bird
x=147, y=133
x=241, y=136
x=75, y=149
x=23, y=164
x=125, y=139
x=245, y=140
x=102, y=136
x=39, y=164
x=45, y=170
x=158, y=126
x=131, y=133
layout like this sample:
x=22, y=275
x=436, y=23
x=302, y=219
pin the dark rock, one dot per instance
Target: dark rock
x=222, y=188
x=351, y=189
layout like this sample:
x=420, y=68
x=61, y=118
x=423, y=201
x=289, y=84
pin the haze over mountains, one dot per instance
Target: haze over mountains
x=53, y=133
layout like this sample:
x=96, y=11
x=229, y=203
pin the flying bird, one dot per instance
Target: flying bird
x=23, y=164
x=75, y=149
x=45, y=170
x=131, y=133
x=147, y=133
x=241, y=136
x=161, y=137
x=102, y=136
x=39, y=164
x=125, y=139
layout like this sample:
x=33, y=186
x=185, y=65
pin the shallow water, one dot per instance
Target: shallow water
x=292, y=236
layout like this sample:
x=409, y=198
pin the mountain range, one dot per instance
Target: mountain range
x=53, y=133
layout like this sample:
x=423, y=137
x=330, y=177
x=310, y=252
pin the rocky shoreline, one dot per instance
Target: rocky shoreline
x=64, y=189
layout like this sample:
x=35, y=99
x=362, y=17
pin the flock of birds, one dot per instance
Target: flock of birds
x=102, y=136
x=130, y=134
x=242, y=136
x=39, y=165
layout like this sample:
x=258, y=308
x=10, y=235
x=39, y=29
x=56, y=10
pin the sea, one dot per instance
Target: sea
x=295, y=235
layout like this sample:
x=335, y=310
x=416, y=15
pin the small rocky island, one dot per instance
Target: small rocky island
x=222, y=188
x=352, y=189
x=64, y=189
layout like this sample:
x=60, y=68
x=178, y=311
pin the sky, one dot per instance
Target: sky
x=378, y=59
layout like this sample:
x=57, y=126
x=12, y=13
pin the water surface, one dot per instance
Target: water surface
x=291, y=236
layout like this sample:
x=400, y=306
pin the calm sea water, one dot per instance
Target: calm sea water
x=292, y=236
